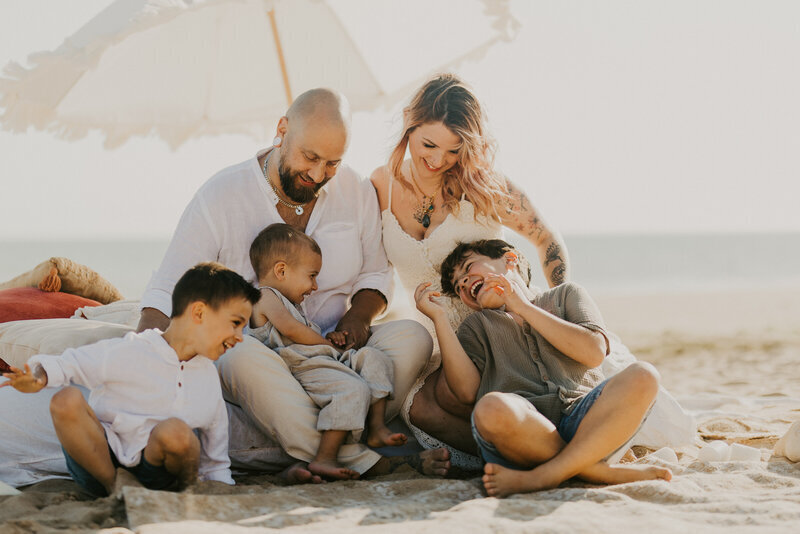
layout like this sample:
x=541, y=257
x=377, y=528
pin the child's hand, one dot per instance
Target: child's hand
x=508, y=291
x=339, y=339
x=426, y=301
x=25, y=381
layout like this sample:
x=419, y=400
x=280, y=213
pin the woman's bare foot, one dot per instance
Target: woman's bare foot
x=331, y=469
x=433, y=462
x=501, y=481
x=383, y=437
x=299, y=474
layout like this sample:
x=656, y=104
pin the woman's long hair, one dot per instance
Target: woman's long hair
x=447, y=99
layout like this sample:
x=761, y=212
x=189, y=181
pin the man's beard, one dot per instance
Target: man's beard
x=289, y=183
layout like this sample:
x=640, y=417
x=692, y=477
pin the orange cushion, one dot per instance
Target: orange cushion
x=32, y=303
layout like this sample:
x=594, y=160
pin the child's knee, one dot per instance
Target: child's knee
x=494, y=415
x=67, y=403
x=175, y=437
x=644, y=379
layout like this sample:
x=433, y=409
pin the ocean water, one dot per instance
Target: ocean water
x=631, y=264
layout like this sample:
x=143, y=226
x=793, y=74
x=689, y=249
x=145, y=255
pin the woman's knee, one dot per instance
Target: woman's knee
x=68, y=402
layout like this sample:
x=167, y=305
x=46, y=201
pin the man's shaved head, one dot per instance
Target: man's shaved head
x=311, y=139
x=319, y=106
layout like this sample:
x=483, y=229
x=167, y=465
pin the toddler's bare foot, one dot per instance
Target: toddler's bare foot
x=299, y=474
x=332, y=470
x=383, y=437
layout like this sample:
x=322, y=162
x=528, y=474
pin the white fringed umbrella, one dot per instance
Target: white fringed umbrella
x=185, y=68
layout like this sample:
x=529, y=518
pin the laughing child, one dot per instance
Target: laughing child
x=150, y=391
x=529, y=362
x=351, y=386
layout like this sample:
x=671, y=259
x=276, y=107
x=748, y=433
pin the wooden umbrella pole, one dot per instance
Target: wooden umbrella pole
x=281, y=59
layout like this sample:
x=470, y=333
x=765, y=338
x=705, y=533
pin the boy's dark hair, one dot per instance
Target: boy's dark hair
x=278, y=242
x=491, y=248
x=212, y=283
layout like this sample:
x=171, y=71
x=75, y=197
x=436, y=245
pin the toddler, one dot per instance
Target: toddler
x=350, y=386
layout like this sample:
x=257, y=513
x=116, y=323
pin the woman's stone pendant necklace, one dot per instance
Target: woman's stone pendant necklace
x=424, y=208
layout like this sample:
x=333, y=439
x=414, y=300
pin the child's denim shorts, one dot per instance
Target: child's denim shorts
x=151, y=476
x=566, y=429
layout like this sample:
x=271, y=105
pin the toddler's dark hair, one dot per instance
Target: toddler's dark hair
x=278, y=242
x=491, y=248
x=212, y=283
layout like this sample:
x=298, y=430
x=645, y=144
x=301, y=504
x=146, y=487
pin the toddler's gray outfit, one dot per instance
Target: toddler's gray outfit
x=344, y=385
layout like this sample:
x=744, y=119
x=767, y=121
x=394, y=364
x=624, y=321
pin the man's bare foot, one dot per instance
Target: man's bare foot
x=383, y=437
x=299, y=474
x=332, y=470
x=501, y=481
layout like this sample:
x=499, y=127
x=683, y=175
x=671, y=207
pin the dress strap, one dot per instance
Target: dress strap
x=391, y=182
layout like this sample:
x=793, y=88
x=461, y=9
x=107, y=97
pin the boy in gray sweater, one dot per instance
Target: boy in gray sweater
x=543, y=412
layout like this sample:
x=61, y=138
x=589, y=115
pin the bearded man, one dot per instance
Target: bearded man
x=301, y=181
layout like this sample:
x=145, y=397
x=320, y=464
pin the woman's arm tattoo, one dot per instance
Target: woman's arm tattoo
x=553, y=255
x=557, y=276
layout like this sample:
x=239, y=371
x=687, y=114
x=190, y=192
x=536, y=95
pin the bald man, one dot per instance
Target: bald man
x=300, y=180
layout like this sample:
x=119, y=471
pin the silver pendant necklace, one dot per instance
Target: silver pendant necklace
x=298, y=208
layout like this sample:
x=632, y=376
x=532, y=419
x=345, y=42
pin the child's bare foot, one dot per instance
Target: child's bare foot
x=331, y=469
x=383, y=437
x=299, y=474
x=501, y=481
x=620, y=474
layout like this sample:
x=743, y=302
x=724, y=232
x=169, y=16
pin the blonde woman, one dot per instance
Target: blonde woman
x=447, y=192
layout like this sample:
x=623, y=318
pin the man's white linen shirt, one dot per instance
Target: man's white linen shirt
x=234, y=205
x=136, y=382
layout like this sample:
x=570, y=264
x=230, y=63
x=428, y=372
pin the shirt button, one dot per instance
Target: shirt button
x=181, y=367
x=179, y=384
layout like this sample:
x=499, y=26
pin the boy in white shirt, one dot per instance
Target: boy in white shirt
x=149, y=391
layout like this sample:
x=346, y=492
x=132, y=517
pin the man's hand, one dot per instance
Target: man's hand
x=26, y=381
x=152, y=318
x=339, y=339
x=364, y=307
x=426, y=301
x=355, y=330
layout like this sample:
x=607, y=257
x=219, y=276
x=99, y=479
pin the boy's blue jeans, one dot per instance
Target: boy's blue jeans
x=566, y=429
x=151, y=476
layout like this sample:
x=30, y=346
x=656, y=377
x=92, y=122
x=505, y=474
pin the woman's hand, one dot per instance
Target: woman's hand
x=26, y=381
x=427, y=303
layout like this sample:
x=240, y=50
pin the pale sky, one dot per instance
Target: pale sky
x=615, y=116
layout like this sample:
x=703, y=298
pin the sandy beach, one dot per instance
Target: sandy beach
x=729, y=358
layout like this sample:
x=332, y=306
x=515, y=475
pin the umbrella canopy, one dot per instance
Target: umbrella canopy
x=182, y=68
